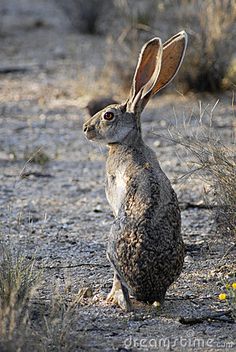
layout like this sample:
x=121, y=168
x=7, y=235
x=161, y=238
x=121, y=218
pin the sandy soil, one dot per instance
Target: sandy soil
x=58, y=211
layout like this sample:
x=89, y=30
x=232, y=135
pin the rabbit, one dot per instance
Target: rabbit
x=145, y=246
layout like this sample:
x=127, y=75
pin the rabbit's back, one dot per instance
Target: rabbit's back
x=145, y=243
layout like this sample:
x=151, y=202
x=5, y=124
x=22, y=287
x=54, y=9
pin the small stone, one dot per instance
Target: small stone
x=188, y=259
x=157, y=143
x=188, y=294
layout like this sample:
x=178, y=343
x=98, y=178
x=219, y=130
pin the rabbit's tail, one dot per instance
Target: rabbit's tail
x=150, y=297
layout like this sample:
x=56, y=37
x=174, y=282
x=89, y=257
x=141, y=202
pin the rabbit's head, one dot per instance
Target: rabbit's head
x=157, y=65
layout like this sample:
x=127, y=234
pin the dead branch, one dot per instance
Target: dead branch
x=224, y=316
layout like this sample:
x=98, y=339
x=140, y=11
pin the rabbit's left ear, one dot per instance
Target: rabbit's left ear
x=146, y=73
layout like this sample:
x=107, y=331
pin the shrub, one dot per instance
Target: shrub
x=210, y=24
x=28, y=323
x=17, y=284
x=212, y=27
x=84, y=15
x=36, y=156
x=59, y=321
x=212, y=160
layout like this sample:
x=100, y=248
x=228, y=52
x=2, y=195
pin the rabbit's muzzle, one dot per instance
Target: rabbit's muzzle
x=89, y=131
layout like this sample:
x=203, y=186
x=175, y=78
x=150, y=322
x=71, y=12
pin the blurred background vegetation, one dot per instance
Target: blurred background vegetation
x=210, y=63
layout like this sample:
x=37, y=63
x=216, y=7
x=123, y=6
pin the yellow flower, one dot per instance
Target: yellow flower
x=227, y=286
x=222, y=296
x=234, y=285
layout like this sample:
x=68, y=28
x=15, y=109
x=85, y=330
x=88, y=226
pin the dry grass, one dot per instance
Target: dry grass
x=127, y=24
x=58, y=328
x=214, y=162
x=212, y=28
x=27, y=322
x=17, y=284
x=211, y=25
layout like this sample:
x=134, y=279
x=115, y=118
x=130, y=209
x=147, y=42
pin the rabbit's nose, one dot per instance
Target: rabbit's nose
x=88, y=128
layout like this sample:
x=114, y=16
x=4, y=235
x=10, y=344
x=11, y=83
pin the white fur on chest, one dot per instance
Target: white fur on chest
x=116, y=190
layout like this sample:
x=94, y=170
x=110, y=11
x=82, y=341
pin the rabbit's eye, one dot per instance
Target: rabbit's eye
x=108, y=116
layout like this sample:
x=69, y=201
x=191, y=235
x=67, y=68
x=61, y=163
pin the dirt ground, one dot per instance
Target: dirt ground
x=58, y=212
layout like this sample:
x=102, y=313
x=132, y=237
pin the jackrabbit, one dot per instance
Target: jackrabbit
x=145, y=246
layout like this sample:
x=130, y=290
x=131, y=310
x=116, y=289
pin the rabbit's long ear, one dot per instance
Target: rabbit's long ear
x=173, y=54
x=146, y=73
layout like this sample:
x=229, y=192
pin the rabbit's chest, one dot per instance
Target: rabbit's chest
x=116, y=189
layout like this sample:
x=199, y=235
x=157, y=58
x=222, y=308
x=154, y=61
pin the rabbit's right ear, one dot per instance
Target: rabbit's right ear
x=146, y=73
x=173, y=54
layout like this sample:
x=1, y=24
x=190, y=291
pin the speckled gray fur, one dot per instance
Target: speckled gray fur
x=145, y=243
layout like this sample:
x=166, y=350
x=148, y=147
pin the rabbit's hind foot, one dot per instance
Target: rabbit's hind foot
x=119, y=295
